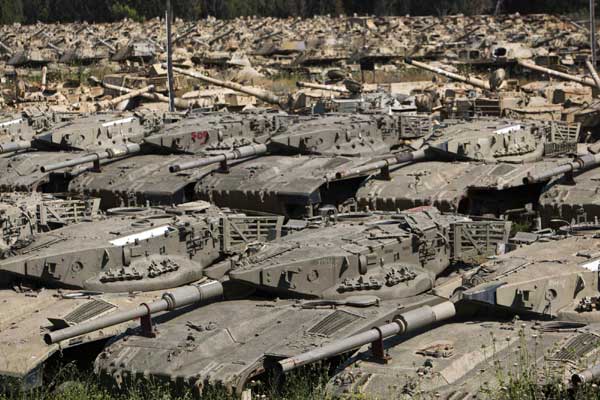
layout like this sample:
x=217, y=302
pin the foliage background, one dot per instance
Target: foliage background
x=31, y=11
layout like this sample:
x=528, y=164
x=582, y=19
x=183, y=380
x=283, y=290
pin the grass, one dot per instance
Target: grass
x=520, y=382
x=517, y=382
x=70, y=383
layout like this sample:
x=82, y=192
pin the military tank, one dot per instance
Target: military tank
x=33, y=57
x=532, y=312
x=571, y=102
x=84, y=53
x=143, y=177
x=571, y=193
x=65, y=141
x=220, y=147
x=339, y=275
x=287, y=172
x=475, y=167
x=138, y=49
x=128, y=256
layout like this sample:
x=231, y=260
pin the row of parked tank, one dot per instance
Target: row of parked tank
x=293, y=44
x=297, y=234
x=261, y=241
x=293, y=165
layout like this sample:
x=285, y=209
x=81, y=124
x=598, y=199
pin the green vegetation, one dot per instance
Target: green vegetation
x=31, y=11
x=69, y=383
x=520, y=382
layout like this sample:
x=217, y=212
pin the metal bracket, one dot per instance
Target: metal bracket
x=147, y=325
x=96, y=167
x=224, y=168
x=378, y=351
x=385, y=173
x=569, y=178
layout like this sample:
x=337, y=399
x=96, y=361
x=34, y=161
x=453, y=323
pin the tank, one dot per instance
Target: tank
x=289, y=176
x=145, y=178
x=137, y=49
x=131, y=255
x=84, y=53
x=337, y=277
x=568, y=102
x=571, y=194
x=476, y=167
x=65, y=141
x=33, y=57
x=533, y=309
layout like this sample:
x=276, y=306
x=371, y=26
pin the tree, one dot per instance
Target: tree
x=11, y=11
x=120, y=11
x=30, y=11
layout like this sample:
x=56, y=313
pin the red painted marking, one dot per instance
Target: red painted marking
x=201, y=137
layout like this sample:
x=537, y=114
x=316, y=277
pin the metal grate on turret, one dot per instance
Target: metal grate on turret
x=577, y=347
x=333, y=323
x=88, y=310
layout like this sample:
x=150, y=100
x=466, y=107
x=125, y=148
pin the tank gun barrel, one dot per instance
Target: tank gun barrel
x=267, y=36
x=557, y=74
x=14, y=146
x=100, y=40
x=174, y=299
x=109, y=46
x=451, y=75
x=466, y=35
x=263, y=95
x=7, y=49
x=330, y=88
x=406, y=322
x=153, y=96
x=56, y=48
x=580, y=163
x=185, y=34
x=241, y=152
x=593, y=73
x=118, y=151
x=396, y=159
x=221, y=36
x=126, y=96
x=591, y=374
